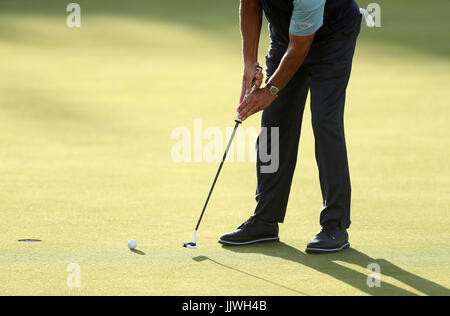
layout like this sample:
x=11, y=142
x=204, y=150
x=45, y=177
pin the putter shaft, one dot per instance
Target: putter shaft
x=217, y=174
x=238, y=121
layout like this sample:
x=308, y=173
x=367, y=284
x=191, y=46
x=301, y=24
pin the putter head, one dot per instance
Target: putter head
x=190, y=244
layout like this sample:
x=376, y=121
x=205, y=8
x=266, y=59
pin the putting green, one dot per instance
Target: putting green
x=86, y=117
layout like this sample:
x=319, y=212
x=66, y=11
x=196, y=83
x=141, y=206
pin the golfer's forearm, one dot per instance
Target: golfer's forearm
x=290, y=64
x=251, y=23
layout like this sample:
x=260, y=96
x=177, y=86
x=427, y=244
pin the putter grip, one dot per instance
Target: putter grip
x=258, y=69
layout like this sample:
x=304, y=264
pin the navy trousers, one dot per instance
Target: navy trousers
x=325, y=73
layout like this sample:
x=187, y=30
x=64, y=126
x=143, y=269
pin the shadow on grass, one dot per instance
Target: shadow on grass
x=204, y=258
x=328, y=264
x=138, y=252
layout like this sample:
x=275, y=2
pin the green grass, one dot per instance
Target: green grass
x=86, y=117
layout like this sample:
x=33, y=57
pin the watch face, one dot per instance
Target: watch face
x=274, y=90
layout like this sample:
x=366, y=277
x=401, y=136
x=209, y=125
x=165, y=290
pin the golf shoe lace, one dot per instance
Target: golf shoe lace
x=247, y=222
x=329, y=231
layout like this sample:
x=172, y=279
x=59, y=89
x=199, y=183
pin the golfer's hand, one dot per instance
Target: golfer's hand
x=259, y=100
x=250, y=74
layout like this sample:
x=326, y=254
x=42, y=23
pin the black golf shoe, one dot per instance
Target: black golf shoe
x=328, y=240
x=250, y=232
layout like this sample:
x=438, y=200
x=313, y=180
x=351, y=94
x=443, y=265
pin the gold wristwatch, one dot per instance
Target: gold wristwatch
x=273, y=90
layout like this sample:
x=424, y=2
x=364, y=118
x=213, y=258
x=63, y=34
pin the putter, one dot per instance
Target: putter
x=193, y=244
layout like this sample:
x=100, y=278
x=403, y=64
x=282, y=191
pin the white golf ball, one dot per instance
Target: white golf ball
x=132, y=244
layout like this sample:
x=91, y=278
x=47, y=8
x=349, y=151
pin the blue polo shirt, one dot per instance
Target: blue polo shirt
x=307, y=17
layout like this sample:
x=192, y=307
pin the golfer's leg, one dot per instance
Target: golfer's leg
x=329, y=82
x=286, y=114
